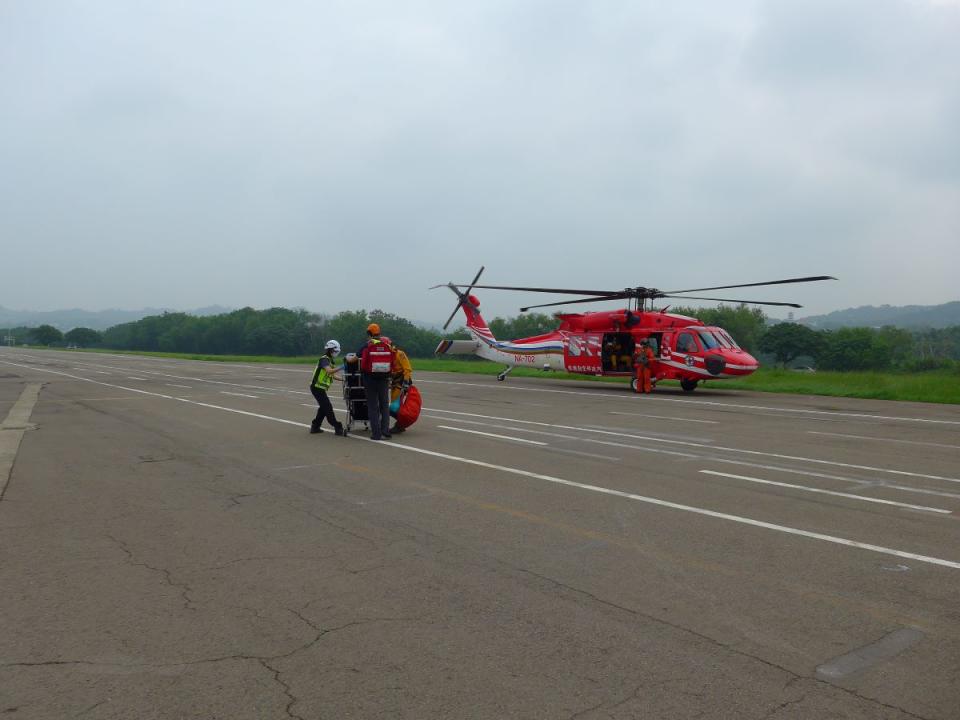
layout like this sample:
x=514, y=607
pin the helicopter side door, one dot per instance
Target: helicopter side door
x=686, y=349
x=581, y=352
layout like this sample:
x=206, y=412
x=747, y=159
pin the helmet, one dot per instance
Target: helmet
x=333, y=345
x=373, y=329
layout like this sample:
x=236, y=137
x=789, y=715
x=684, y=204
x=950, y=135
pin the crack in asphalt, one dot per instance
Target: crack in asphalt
x=320, y=633
x=713, y=641
x=292, y=699
x=418, y=531
x=185, y=590
x=786, y=704
x=92, y=707
x=146, y=459
x=341, y=528
x=264, y=661
x=263, y=558
x=583, y=712
x=632, y=696
x=237, y=497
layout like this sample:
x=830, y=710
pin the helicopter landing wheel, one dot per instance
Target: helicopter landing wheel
x=501, y=376
x=688, y=385
x=633, y=384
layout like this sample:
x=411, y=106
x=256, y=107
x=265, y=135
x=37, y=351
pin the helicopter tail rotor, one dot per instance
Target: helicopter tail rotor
x=462, y=295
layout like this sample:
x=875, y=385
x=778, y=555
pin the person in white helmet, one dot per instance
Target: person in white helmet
x=323, y=378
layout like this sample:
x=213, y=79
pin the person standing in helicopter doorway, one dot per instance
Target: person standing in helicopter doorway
x=644, y=362
x=323, y=378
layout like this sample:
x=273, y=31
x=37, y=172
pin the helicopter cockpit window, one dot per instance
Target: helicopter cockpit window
x=726, y=335
x=720, y=338
x=686, y=343
x=708, y=340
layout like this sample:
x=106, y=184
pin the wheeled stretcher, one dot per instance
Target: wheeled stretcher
x=354, y=395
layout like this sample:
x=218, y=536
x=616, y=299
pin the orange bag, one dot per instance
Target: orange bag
x=409, y=407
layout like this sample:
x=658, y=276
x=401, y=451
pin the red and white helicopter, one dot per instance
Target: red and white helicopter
x=604, y=343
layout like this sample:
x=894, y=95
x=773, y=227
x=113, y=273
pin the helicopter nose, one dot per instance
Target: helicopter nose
x=715, y=364
x=745, y=363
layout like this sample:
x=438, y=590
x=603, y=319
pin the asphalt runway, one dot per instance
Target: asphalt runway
x=175, y=544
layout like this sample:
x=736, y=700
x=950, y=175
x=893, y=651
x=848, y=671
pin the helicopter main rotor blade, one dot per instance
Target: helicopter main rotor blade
x=559, y=291
x=617, y=296
x=452, y=315
x=729, y=300
x=475, y=278
x=771, y=282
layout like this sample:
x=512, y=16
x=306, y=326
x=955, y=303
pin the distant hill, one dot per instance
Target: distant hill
x=904, y=316
x=97, y=320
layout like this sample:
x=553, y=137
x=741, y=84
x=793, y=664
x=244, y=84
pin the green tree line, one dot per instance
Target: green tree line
x=286, y=332
x=276, y=331
x=859, y=348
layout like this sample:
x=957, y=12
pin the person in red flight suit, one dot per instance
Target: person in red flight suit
x=645, y=359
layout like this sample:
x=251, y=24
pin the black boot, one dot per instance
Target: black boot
x=315, y=428
x=338, y=430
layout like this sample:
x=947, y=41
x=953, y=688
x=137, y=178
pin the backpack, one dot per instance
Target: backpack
x=409, y=409
x=377, y=359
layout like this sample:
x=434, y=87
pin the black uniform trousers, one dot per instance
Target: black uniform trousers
x=377, y=388
x=324, y=408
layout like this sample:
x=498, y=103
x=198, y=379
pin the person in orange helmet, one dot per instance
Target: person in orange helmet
x=376, y=361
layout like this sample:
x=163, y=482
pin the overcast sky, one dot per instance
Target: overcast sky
x=345, y=155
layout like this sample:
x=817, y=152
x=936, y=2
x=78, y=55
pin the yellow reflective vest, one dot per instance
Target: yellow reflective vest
x=321, y=378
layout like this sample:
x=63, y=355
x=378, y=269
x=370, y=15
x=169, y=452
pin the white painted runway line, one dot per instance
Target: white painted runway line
x=131, y=377
x=667, y=417
x=804, y=411
x=255, y=397
x=806, y=488
x=261, y=388
x=646, y=449
x=493, y=435
x=759, y=453
x=885, y=440
x=302, y=467
x=633, y=397
x=549, y=478
x=620, y=396
x=859, y=483
x=593, y=441
x=189, y=387
x=580, y=453
x=649, y=433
